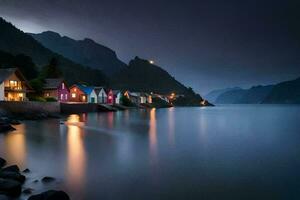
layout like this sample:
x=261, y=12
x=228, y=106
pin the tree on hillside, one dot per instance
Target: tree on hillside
x=51, y=70
x=26, y=66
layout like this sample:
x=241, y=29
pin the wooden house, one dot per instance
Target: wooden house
x=82, y=93
x=110, y=96
x=13, y=85
x=56, y=88
x=101, y=95
x=136, y=97
x=117, y=96
x=77, y=94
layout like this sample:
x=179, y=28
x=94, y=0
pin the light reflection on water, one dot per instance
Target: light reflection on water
x=242, y=152
x=15, y=146
x=76, y=155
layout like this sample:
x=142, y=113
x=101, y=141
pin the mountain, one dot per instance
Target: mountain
x=254, y=95
x=85, y=52
x=213, y=95
x=14, y=41
x=141, y=75
x=287, y=92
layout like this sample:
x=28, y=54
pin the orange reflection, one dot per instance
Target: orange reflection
x=153, y=134
x=15, y=147
x=110, y=118
x=76, y=154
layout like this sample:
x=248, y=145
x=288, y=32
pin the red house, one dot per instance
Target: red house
x=56, y=88
x=77, y=94
x=110, y=96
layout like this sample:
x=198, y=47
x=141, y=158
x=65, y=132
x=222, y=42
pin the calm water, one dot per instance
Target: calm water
x=233, y=152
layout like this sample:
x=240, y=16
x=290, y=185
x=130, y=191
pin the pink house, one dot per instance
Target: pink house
x=56, y=88
x=110, y=96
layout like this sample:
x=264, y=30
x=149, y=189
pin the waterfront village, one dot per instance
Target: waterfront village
x=14, y=87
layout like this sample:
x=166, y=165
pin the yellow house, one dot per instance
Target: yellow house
x=13, y=85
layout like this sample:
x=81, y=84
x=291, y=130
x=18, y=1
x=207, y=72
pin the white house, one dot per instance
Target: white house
x=101, y=95
x=117, y=96
x=13, y=85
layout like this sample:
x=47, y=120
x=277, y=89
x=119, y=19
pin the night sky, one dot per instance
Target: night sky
x=205, y=44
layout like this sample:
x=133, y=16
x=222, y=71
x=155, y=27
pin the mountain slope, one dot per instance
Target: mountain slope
x=14, y=41
x=140, y=75
x=287, y=92
x=85, y=52
x=213, y=95
x=254, y=95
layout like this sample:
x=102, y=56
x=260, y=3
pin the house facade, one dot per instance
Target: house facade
x=110, y=96
x=101, y=95
x=117, y=96
x=13, y=85
x=77, y=94
x=56, y=88
x=81, y=93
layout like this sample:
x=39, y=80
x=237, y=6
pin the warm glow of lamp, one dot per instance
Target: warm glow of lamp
x=151, y=61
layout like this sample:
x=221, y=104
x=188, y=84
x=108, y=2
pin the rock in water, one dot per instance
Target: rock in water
x=2, y=162
x=26, y=170
x=4, y=127
x=10, y=187
x=12, y=168
x=12, y=175
x=27, y=191
x=48, y=179
x=50, y=195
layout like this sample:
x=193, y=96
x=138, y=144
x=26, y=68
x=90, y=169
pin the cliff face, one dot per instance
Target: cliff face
x=85, y=52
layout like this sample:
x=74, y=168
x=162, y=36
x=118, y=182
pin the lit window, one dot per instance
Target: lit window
x=75, y=90
x=61, y=96
x=83, y=98
x=13, y=83
x=66, y=96
x=47, y=94
x=73, y=95
x=63, y=86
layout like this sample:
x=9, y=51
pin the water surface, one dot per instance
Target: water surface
x=225, y=152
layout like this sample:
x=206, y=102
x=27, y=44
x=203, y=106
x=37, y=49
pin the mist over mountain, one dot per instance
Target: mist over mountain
x=85, y=52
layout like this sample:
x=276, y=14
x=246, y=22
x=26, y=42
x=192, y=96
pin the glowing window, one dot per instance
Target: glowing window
x=63, y=86
x=66, y=96
x=61, y=96
x=73, y=95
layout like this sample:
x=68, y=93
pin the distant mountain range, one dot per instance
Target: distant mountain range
x=85, y=52
x=213, y=95
x=287, y=92
x=81, y=61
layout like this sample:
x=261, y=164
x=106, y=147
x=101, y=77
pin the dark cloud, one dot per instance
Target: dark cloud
x=206, y=44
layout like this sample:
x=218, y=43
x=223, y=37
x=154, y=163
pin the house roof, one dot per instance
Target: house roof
x=85, y=89
x=98, y=89
x=5, y=73
x=52, y=83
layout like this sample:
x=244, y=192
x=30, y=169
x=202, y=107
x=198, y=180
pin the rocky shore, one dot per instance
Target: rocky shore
x=12, y=181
